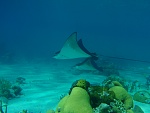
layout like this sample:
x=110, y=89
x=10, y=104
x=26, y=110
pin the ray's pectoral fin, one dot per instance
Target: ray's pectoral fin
x=93, y=55
x=88, y=65
x=72, y=49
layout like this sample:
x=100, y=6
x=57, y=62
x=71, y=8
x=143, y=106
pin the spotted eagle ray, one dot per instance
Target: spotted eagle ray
x=74, y=49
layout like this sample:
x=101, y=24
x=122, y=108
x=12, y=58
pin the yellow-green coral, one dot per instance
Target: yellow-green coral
x=77, y=102
x=122, y=95
x=116, y=83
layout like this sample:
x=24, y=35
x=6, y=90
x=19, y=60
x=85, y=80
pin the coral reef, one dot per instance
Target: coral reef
x=114, y=96
x=114, y=107
x=5, y=87
x=9, y=90
x=142, y=96
x=130, y=86
x=117, y=81
x=4, y=84
x=71, y=103
x=117, y=106
x=77, y=97
x=17, y=90
x=122, y=95
x=100, y=94
x=85, y=98
x=102, y=108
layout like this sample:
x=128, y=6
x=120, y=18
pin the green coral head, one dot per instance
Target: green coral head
x=83, y=84
x=80, y=83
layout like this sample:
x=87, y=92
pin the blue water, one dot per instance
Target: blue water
x=33, y=30
x=39, y=28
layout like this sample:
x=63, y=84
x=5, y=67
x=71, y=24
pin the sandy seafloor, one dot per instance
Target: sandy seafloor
x=46, y=82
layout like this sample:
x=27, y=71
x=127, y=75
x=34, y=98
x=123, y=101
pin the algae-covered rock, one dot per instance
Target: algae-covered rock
x=142, y=96
x=122, y=95
x=77, y=102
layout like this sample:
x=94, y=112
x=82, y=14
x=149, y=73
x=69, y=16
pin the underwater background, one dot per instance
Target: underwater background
x=39, y=28
x=31, y=31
